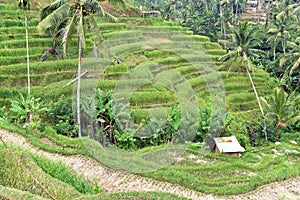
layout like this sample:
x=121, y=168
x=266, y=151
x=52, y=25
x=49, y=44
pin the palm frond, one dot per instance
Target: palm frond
x=294, y=66
x=265, y=103
x=68, y=31
x=80, y=29
x=227, y=56
x=292, y=45
x=93, y=26
x=293, y=120
x=95, y=7
x=50, y=8
x=231, y=65
x=257, y=52
x=53, y=20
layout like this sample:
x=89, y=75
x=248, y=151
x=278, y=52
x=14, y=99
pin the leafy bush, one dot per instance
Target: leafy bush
x=243, y=140
x=212, y=124
x=60, y=116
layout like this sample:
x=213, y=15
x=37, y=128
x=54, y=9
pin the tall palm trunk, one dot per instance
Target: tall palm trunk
x=284, y=43
x=274, y=50
x=78, y=83
x=258, y=101
x=236, y=13
x=27, y=55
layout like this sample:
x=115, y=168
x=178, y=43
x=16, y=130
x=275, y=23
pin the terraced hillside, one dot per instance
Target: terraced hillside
x=134, y=49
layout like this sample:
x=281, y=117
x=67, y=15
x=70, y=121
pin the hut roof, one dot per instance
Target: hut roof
x=228, y=144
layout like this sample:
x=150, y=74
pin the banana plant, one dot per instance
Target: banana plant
x=25, y=108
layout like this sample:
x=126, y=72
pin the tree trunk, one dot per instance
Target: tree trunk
x=284, y=43
x=258, y=101
x=274, y=50
x=267, y=16
x=27, y=52
x=237, y=13
x=276, y=131
x=78, y=83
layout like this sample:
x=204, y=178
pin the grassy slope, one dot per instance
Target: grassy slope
x=48, y=78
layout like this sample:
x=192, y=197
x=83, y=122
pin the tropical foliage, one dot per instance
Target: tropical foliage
x=281, y=109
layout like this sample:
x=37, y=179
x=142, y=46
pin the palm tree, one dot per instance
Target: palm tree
x=289, y=10
x=281, y=30
x=292, y=59
x=75, y=14
x=244, y=37
x=281, y=109
x=25, y=5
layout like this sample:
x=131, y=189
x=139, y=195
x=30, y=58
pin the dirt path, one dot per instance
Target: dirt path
x=116, y=181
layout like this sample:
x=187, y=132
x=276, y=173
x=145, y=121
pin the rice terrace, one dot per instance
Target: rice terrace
x=144, y=99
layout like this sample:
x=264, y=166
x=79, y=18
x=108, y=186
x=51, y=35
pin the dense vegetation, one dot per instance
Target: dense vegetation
x=198, y=70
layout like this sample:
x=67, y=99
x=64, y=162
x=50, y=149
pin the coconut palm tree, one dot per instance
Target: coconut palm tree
x=244, y=37
x=25, y=5
x=77, y=15
x=281, y=30
x=281, y=109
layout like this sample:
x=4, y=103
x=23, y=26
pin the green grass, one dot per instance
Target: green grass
x=229, y=175
x=191, y=38
x=61, y=172
x=19, y=171
x=11, y=193
x=17, y=22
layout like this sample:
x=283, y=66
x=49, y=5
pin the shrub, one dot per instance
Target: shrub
x=243, y=140
x=60, y=116
x=212, y=124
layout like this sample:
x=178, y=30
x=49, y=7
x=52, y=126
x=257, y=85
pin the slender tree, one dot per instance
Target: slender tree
x=244, y=37
x=75, y=14
x=25, y=5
